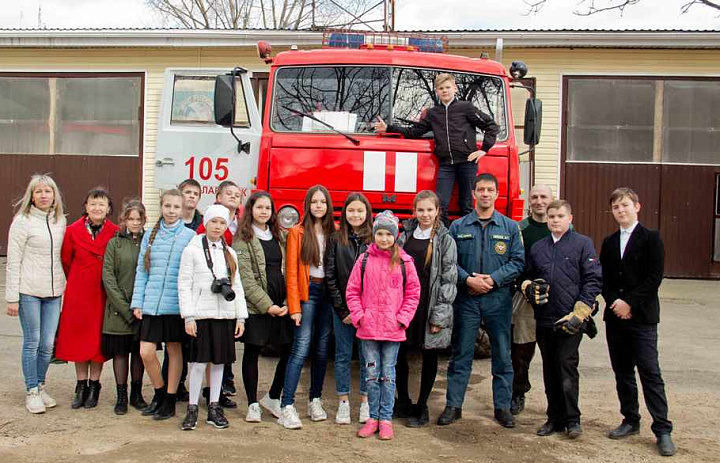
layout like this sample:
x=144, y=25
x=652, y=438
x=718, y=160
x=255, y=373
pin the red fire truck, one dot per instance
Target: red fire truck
x=320, y=104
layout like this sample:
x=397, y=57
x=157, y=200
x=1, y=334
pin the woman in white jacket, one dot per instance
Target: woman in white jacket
x=36, y=281
x=212, y=302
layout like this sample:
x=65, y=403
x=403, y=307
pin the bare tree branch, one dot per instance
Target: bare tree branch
x=277, y=14
x=599, y=6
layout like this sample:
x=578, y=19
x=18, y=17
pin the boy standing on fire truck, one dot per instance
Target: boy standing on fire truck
x=453, y=124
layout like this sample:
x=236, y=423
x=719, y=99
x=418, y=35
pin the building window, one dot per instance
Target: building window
x=610, y=120
x=643, y=120
x=93, y=115
x=193, y=102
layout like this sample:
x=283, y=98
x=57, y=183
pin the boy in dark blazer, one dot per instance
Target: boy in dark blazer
x=632, y=261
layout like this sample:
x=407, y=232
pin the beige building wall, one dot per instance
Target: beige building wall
x=548, y=66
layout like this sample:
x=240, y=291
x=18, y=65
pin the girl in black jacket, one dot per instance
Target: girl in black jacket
x=343, y=249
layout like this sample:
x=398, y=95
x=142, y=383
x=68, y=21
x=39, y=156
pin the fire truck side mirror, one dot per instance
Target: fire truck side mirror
x=224, y=100
x=533, y=121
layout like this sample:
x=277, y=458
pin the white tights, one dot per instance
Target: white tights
x=196, y=373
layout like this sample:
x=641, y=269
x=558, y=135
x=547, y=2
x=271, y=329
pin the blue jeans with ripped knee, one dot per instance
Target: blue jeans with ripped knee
x=380, y=361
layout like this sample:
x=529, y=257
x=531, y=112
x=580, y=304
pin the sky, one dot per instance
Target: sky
x=410, y=15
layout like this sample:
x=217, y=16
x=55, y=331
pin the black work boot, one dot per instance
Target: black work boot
x=157, y=400
x=517, y=405
x=167, y=409
x=93, y=394
x=504, y=417
x=81, y=393
x=624, y=430
x=136, y=398
x=574, y=430
x=549, y=428
x=449, y=415
x=216, y=417
x=121, y=405
x=665, y=445
x=191, y=417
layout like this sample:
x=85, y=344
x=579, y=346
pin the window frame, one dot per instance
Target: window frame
x=88, y=75
x=656, y=78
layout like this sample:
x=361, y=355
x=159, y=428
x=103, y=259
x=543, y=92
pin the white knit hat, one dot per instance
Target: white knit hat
x=214, y=211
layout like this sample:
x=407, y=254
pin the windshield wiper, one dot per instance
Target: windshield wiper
x=310, y=116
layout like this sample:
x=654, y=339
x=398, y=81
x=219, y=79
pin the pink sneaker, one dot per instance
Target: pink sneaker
x=386, y=430
x=369, y=428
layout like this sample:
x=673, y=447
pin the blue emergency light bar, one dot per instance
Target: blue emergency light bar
x=421, y=42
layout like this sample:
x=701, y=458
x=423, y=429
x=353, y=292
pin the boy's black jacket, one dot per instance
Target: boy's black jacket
x=454, y=130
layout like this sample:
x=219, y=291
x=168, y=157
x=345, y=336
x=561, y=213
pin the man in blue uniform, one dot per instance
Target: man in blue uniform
x=490, y=257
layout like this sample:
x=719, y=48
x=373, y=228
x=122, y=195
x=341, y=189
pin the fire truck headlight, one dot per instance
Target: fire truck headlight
x=288, y=217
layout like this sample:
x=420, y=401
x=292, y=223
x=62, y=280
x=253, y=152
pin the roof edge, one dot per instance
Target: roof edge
x=69, y=38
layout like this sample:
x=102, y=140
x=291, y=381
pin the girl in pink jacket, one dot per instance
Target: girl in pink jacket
x=382, y=295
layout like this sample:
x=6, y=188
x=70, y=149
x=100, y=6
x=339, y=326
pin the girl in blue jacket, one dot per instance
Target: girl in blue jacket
x=155, y=301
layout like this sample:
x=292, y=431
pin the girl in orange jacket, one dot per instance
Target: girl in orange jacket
x=308, y=303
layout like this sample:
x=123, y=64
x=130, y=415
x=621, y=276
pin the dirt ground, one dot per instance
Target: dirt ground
x=688, y=353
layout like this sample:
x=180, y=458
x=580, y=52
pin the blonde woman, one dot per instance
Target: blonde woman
x=35, y=281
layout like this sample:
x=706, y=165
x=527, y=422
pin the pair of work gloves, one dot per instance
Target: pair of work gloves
x=537, y=293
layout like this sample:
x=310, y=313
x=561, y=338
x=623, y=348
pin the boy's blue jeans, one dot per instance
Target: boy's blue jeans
x=380, y=360
x=314, y=330
x=344, y=341
x=39, y=317
x=465, y=174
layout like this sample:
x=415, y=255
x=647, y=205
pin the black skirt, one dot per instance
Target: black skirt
x=265, y=330
x=120, y=344
x=215, y=342
x=162, y=328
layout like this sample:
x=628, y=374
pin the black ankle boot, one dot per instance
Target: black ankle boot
x=167, y=409
x=121, y=405
x=421, y=419
x=157, y=400
x=81, y=393
x=136, y=398
x=93, y=394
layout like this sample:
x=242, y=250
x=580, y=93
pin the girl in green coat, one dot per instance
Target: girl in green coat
x=260, y=245
x=121, y=330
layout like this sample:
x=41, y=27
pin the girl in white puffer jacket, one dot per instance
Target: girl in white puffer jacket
x=212, y=303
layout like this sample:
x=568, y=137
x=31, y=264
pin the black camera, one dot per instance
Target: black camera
x=223, y=286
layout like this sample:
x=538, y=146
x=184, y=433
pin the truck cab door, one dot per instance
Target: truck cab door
x=191, y=145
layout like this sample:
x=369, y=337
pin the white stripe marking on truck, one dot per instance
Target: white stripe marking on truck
x=406, y=172
x=374, y=171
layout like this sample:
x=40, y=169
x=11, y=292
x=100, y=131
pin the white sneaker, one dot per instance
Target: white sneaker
x=271, y=405
x=254, y=413
x=316, y=412
x=343, y=412
x=289, y=418
x=364, y=412
x=47, y=400
x=33, y=401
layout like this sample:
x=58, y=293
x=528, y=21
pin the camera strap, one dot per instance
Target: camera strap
x=208, y=256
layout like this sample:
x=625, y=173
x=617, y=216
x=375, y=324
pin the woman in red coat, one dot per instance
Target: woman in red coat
x=81, y=320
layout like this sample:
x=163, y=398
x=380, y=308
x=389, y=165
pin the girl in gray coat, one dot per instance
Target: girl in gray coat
x=426, y=239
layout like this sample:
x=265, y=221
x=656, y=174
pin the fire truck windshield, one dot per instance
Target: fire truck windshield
x=350, y=97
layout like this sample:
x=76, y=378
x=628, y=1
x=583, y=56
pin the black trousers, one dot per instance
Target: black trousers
x=560, y=374
x=635, y=345
x=522, y=355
